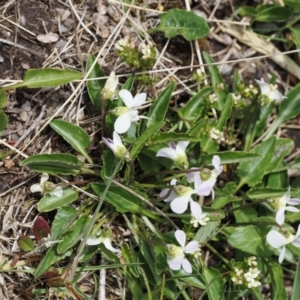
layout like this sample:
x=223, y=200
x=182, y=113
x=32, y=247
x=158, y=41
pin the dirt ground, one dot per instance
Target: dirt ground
x=82, y=28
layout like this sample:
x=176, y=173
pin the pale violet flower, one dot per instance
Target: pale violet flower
x=176, y=153
x=104, y=238
x=279, y=241
x=204, y=188
x=116, y=146
x=180, y=198
x=129, y=113
x=176, y=254
x=46, y=187
x=270, y=91
x=110, y=86
x=281, y=205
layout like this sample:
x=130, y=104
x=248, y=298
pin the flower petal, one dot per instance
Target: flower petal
x=117, y=140
x=93, y=241
x=187, y=266
x=36, y=188
x=167, y=152
x=276, y=96
x=181, y=146
x=175, y=264
x=110, y=145
x=191, y=247
x=264, y=87
x=108, y=246
x=122, y=123
x=196, y=209
x=191, y=177
x=205, y=188
x=216, y=161
x=280, y=216
x=126, y=97
x=276, y=239
x=294, y=201
x=44, y=178
x=180, y=237
x=139, y=100
x=282, y=255
x=180, y=204
x=291, y=208
x=286, y=197
x=58, y=192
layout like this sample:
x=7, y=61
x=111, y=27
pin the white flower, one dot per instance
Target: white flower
x=250, y=277
x=104, y=239
x=110, y=86
x=281, y=205
x=46, y=187
x=206, y=187
x=116, y=146
x=123, y=43
x=146, y=51
x=200, y=221
x=176, y=153
x=270, y=91
x=180, y=197
x=128, y=114
x=177, y=254
x=278, y=240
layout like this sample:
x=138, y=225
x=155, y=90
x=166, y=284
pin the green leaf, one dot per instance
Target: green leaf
x=296, y=286
x=50, y=202
x=266, y=193
x=61, y=221
x=272, y=13
x=247, y=11
x=3, y=121
x=109, y=164
x=95, y=86
x=226, y=113
x=193, y=108
x=288, y=109
x=296, y=35
x=251, y=239
x=252, y=172
x=3, y=99
x=26, y=243
x=205, y=233
x=36, y=78
x=282, y=148
x=264, y=114
x=217, y=81
x=121, y=199
x=72, y=236
x=160, y=107
x=73, y=134
x=56, y=163
x=214, y=283
x=141, y=141
x=49, y=259
x=278, y=291
x=293, y=4
x=182, y=22
x=230, y=157
x=165, y=137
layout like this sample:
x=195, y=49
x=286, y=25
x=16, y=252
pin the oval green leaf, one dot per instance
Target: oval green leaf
x=50, y=202
x=26, y=243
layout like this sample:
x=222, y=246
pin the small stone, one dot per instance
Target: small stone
x=23, y=116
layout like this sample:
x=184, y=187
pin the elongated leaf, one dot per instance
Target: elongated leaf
x=3, y=121
x=252, y=172
x=251, y=239
x=160, y=107
x=207, y=232
x=122, y=200
x=214, y=283
x=26, y=243
x=282, y=148
x=61, y=221
x=110, y=163
x=36, y=78
x=142, y=140
x=288, y=109
x=275, y=13
x=230, y=157
x=226, y=113
x=294, y=4
x=71, y=237
x=296, y=285
x=193, y=108
x=95, y=86
x=41, y=228
x=50, y=202
x=73, y=134
x=53, y=163
x=3, y=99
x=266, y=193
x=296, y=35
x=217, y=81
x=278, y=291
x=164, y=137
x=182, y=22
x=49, y=259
